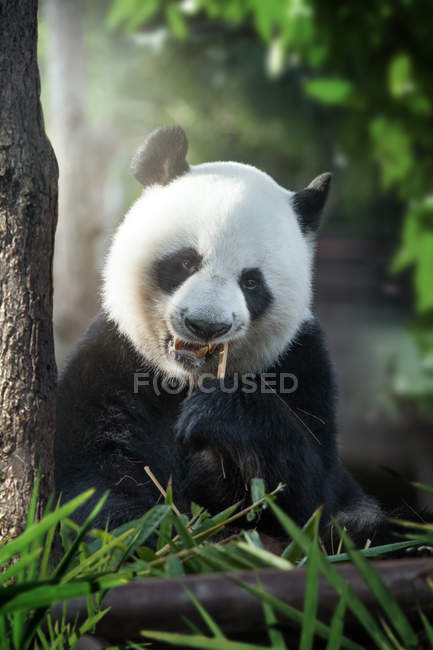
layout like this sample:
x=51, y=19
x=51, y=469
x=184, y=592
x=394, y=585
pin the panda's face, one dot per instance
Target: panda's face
x=215, y=256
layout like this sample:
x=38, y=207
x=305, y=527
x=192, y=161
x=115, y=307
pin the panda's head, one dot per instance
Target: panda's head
x=211, y=253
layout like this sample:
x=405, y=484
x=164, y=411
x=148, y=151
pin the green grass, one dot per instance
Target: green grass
x=93, y=561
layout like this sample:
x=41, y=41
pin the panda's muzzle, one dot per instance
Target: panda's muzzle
x=206, y=330
x=200, y=346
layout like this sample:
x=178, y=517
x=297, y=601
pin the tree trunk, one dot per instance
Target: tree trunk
x=28, y=214
x=84, y=153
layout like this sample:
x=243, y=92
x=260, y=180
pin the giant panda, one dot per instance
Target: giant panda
x=209, y=254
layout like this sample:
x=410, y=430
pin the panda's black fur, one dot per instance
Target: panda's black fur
x=214, y=439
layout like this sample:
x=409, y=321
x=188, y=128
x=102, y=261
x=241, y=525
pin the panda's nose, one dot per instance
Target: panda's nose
x=206, y=329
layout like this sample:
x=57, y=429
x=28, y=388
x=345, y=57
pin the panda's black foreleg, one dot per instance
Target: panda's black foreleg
x=226, y=436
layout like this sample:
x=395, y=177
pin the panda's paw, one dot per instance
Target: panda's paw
x=207, y=417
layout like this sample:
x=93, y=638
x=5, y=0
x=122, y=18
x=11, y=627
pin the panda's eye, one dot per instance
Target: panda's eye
x=250, y=284
x=189, y=265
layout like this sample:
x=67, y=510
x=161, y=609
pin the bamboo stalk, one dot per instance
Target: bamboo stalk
x=222, y=364
x=154, y=480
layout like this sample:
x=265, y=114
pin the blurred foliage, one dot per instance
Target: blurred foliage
x=215, y=84
x=374, y=62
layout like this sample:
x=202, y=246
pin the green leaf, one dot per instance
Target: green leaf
x=131, y=14
x=294, y=551
x=91, y=563
x=221, y=558
x=165, y=532
x=22, y=563
x=424, y=273
x=196, y=641
x=328, y=90
x=392, y=148
x=70, y=553
x=36, y=595
x=267, y=558
x=174, y=566
x=400, y=76
x=176, y=21
x=373, y=551
x=258, y=490
x=186, y=537
x=144, y=528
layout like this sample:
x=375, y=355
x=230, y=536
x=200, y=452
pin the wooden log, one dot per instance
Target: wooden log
x=162, y=604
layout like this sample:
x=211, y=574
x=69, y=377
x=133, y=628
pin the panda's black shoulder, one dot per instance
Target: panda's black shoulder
x=102, y=359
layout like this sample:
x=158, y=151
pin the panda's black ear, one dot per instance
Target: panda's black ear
x=309, y=203
x=162, y=157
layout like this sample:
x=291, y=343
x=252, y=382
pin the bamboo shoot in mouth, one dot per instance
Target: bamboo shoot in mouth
x=222, y=364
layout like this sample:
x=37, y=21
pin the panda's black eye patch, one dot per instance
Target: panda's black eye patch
x=172, y=270
x=256, y=292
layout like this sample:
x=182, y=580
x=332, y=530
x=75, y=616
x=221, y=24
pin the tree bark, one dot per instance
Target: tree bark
x=84, y=153
x=28, y=214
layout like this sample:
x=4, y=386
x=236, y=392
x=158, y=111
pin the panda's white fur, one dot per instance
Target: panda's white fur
x=216, y=208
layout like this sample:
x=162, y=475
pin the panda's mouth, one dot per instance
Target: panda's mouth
x=192, y=353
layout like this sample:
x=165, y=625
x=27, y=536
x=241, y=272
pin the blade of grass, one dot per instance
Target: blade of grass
x=4, y=634
x=337, y=625
x=422, y=486
x=244, y=556
x=293, y=614
x=311, y=592
x=174, y=567
x=86, y=565
x=37, y=530
x=18, y=620
x=66, y=560
x=268, y=559
x=207, y=618
x=373, y=551
x=334, y=578
x=37, y=595
x=395, y=642
x=276, y=637
x=148, y=524
x=18, y=566
x=195, y=641
x=427, y=627
x=34, y=621
x=186, y=538
x=417, y=525
x=293, y=551
x=383, y=595
x=43, y=569
x=163, y=543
